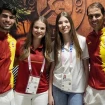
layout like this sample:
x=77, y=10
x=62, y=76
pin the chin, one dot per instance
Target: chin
x=66, y=33
x=7, y=28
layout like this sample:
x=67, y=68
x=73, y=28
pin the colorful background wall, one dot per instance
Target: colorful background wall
x=29, y=9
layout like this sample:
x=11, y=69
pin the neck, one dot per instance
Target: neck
x=67, y=39
x=36, y=43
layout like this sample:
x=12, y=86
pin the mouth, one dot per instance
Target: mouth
x=38, y=34
x=94, y=23
x=7, y=25
x=64, y=29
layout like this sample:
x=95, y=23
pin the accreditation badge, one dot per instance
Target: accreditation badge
x=32, y=85
x=66, y=82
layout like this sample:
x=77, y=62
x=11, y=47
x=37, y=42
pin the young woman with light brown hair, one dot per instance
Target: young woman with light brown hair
x=69, y=71
x=34, y=59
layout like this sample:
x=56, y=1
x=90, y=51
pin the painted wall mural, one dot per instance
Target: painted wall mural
x=29, y=9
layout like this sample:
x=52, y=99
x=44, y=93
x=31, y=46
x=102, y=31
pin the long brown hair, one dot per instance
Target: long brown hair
x=59, y=41
x=46, y=40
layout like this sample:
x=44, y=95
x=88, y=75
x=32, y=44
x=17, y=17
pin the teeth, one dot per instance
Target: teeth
x=7, y=25
x=94, y=23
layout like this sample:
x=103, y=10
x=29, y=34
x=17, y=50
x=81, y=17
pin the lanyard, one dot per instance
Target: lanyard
x=30, y=67
x=70, y=50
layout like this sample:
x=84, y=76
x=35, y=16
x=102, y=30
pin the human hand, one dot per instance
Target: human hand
x=50, y=100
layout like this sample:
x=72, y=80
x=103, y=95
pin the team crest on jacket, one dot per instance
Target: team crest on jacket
x=12, y=44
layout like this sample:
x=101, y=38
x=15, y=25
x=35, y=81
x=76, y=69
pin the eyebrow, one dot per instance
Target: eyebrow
x=10, y=16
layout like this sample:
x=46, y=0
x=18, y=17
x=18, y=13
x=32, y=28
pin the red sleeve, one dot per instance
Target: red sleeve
x=19, y=46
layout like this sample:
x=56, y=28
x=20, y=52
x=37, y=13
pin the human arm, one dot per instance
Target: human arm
x=86, y=69
x=85, y=60
x=16, y=61
x=50, y=96
x=18, y=51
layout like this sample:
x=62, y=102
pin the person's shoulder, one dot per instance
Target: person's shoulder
x=20, y=42
x=81, y=37
x=90, y=34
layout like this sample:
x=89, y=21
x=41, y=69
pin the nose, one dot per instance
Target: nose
x=63, y=24
x=39, y=30
x=94, y=18
x=8, y=18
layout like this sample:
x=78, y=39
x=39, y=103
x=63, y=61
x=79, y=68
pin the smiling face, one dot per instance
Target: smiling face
x=64, y=25
x=39, y=29
x=6, y=20
x=96, y=18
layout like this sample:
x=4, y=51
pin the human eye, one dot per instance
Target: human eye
x=66, y=21
x=60, y=22
x=42, y=28
x=12, y=17
x=4, y=15
x=90, y=16
x=97, y=15
x=36, y=27
x=7, y=16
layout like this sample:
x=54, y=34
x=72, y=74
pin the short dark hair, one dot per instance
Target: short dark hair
x=96, y=5
x=9, y=7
